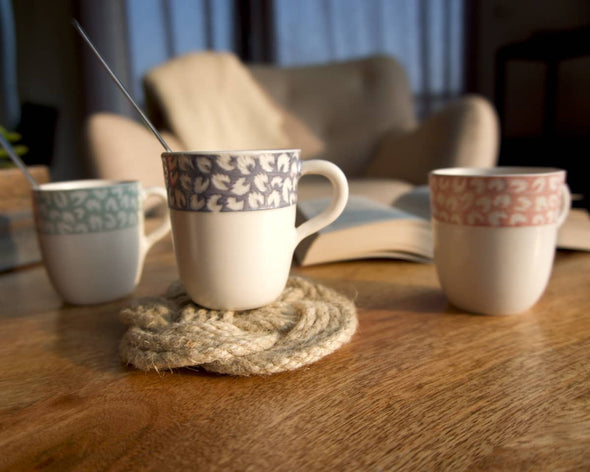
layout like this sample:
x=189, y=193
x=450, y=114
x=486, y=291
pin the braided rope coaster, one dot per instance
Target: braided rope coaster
x=306, y=323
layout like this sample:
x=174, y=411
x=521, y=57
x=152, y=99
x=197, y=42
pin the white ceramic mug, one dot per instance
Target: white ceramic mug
x=91, y=234
x=233, y=221
x=495, y=233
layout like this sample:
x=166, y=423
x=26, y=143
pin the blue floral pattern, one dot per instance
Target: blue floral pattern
x=231, y=182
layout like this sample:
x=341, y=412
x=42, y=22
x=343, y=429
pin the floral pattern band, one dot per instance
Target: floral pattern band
x=87, y=210
x=518, y=200
x=230, y=182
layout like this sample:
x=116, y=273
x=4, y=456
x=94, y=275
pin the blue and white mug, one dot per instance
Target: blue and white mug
x=233, y=221
x=91, y=235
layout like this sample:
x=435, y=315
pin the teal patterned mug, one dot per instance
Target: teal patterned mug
x=91, y=235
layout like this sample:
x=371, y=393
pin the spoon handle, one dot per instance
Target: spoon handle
x=120, y=84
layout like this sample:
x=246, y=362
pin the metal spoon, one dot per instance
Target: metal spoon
x=121, y=86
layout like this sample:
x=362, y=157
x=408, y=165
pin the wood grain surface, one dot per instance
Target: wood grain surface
x=422, y=385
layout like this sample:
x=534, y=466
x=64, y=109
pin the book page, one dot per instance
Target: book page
x=365, y=229
x=574, y=234
x=358, y=211
x=416, y=202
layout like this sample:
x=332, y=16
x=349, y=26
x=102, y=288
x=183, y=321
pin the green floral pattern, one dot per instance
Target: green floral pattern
x=87, y=210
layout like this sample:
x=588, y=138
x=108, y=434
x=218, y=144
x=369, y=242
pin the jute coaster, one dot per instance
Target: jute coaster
x=306, y=323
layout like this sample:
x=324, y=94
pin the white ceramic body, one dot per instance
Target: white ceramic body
x=494, y=270
x=95, y=267
x=234, y=260
x=100, y=266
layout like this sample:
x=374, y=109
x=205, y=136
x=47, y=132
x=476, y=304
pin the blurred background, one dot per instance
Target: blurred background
x=531, y=58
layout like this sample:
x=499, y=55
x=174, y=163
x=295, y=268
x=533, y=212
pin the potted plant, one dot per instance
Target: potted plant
x=20, y=149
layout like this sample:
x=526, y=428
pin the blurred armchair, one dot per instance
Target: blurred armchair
x=363, y=112
x=358, y=114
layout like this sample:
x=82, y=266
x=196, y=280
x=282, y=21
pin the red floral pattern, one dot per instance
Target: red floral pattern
x=519, y=200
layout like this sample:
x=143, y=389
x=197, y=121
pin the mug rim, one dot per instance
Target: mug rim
x=226, y=152
x=497, y=171
x=82, y=184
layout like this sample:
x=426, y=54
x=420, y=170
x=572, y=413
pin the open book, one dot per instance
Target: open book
x=574, y=234
x=370, y=229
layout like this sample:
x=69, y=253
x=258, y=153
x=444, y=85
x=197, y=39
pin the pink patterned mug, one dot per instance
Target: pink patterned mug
x=495, y=232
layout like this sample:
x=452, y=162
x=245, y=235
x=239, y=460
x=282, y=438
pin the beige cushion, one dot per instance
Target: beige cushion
x=210, y=101
x=299, y=136
x=463, y=133
x=349, y=104
x=122, y=149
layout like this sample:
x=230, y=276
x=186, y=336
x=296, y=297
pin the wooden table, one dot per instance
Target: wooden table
x=422, y=386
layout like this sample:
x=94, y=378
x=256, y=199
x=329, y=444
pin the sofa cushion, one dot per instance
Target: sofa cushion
x=348, y=104
x=210, y=101
x=122, y=149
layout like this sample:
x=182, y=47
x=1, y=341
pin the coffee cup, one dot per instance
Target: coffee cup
x=91, y=235
x=495, y=232
x=233, y=221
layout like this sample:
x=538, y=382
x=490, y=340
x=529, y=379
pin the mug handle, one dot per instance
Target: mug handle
x=565, y=204
x=158, y=233
x=339, y=197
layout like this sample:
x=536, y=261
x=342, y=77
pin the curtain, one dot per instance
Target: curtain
x=9, y=100
x=161, y=29
x=136, y=35
x=426, y=36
